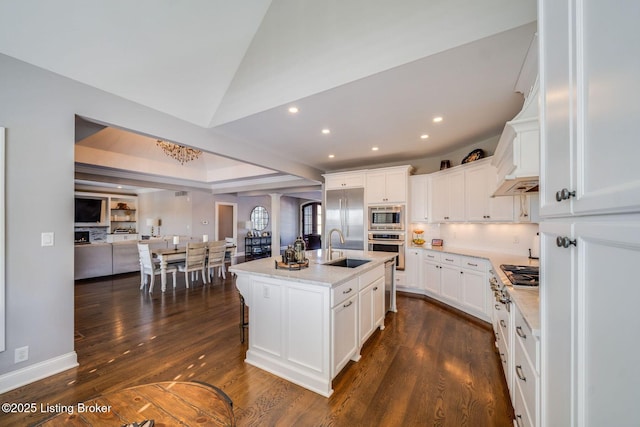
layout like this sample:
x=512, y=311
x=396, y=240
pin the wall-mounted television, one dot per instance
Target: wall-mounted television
x=88, y=210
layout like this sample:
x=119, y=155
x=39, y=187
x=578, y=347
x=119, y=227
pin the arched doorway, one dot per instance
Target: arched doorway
x=312, y=224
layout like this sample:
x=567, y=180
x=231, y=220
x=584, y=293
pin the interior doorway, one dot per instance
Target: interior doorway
x=226, y=219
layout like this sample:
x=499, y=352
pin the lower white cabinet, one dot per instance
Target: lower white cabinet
x=457, y=280
x=370, y=303
x=432, y=279
x=412, y=259
x=474, y=295
x=344, y=321
x=526, y=374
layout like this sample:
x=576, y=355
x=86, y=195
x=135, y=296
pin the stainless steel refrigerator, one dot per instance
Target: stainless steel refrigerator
x=344, y=210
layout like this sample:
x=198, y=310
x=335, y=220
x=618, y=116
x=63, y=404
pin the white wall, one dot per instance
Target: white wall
x=483, y=237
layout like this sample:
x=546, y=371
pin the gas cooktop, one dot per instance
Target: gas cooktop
x=522, y=275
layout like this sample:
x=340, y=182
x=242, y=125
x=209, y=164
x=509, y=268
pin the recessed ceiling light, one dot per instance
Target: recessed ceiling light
x=424, y=136
x=119, y=186
x=293, y=110
x=374, y=148
x=437, y=119
x=331, y=156
x=326, y=131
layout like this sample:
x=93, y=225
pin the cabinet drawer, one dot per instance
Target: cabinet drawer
x=521, y=410
x=432, y=256
x=502, y=322
x=451, y=259
x=530, y=343
x=473, y=264
x=371, y=276
x=344, y=291
x=526, y=378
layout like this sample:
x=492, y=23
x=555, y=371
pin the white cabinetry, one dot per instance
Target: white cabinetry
x=344, y=321
x=451, y=280
x=448, y=197
x=474, y=287
x=371, y=298
x=412, y=258
x=589, y=149
x=526, y=377
x=503, y=323
x=336, y=181
x=432, y=281
x=480, y=206
x=419, y=200
x=387, y=185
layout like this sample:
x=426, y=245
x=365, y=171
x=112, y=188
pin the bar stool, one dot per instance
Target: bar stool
x=244, y=323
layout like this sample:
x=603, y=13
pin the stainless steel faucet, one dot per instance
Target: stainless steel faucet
x=341, y=240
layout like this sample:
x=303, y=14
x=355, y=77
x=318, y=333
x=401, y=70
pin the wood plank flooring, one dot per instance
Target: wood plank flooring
x=430, y=366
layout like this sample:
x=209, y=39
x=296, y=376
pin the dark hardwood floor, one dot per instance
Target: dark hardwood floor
x=430, y=366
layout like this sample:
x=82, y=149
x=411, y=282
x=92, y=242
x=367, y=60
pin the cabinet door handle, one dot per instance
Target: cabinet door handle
x=502, y=323
x=565, y=242
x=564, y=194
x=375, y=289
x=520, y=333
x=497, y=307
x=519, y=420
x=347, y=291
x=472, y=265
x=520, y=374
x=347, y=305
x=447, y=259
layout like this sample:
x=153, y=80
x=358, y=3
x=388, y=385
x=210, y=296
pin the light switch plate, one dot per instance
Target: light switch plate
x=47, y=239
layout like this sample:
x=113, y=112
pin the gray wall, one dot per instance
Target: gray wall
x=38, y=109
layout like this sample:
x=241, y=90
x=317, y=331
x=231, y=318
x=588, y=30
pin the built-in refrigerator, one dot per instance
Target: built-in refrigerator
x=344, y=210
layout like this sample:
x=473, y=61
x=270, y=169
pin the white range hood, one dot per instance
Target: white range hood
x=517, y=156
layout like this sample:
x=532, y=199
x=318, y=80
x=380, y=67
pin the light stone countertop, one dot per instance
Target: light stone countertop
x=527, y=300
x=317, y=273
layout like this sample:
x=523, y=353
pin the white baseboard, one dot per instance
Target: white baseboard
x=37, y=371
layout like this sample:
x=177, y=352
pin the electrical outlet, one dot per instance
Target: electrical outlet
x=266, y=292
x=21, y=354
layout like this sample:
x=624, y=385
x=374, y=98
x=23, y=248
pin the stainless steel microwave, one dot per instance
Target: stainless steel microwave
x=386, y=217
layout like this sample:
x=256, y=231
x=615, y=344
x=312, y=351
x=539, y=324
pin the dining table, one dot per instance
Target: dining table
x=179, y=254
x=170, y=403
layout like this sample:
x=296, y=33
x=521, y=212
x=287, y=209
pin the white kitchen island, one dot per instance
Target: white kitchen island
x=305, y=325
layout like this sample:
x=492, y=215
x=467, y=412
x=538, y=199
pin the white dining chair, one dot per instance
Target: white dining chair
x=195, y=261
x=216, y=258
x=150, y=268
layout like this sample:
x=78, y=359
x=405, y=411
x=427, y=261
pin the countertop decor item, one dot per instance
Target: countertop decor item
x=418, y=237
x=445, y=164
x=436, y=242
x=476, y=154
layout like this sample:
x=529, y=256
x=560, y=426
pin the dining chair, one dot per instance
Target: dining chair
x=195, y=261
x=216, y=258
x=150, y=268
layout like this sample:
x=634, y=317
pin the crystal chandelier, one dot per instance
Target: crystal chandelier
x=179, y=152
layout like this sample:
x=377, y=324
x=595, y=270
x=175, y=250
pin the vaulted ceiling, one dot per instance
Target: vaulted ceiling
x=373, y=72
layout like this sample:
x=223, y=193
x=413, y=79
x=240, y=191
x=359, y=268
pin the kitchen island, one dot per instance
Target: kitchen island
x=305, y=325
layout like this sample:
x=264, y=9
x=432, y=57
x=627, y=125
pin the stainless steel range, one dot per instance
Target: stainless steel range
x=522, y=275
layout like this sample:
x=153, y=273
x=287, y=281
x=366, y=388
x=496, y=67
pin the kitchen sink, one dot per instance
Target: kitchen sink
x=348, y=262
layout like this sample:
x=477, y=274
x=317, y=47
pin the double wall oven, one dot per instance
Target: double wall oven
x=386, y=231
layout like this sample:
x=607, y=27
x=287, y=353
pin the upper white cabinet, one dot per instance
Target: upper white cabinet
x=388, y=185
x=419, y=199
x=480, y=206
x=589, y=147
x=340, y=180
x=448, y=196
